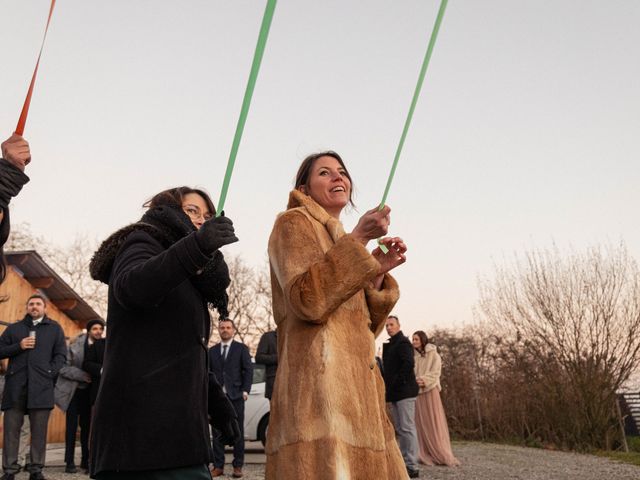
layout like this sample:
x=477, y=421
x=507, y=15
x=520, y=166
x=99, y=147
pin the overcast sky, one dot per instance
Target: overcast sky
x=527, y=130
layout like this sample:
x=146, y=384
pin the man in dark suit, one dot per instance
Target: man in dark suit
x=231, y=364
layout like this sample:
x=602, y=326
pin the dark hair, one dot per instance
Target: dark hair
x=303, y=177
x=423, y=341
x=175, y=196
x=37, y=295
x=227, y=320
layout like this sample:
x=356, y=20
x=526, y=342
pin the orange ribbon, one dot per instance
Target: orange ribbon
x=27, y=102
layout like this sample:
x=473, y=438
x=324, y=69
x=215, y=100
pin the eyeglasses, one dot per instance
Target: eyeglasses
x=195, y=213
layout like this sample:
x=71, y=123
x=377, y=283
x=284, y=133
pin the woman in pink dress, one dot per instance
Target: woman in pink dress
x=431, y=422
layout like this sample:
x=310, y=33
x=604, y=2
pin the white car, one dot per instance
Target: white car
x=256, y=410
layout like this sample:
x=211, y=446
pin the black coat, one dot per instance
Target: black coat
x=36, y=369
x=92, y=364
x=267, y=355
x=399, y=376
x=236, y=372
x=151, y=410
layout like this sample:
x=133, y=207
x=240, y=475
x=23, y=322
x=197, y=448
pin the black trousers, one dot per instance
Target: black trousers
x=13, y=420
x=238, y=447
x=79, y=412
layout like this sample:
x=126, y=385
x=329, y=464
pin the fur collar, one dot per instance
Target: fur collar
x=165, y=224
x=298, y=199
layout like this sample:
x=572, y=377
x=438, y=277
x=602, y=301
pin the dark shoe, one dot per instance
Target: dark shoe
x=70, y=469
x=217, y=472
x=413, y=473
x=36, y=476
x=8, y=476
x=237, y=472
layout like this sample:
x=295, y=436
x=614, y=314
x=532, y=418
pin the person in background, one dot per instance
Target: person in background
x=431, y=422
x=93, y=361
x=230, y=362
x=76, y=379
x=267, y=355
x=402, y=390
x=16, y=155
x=37, y=351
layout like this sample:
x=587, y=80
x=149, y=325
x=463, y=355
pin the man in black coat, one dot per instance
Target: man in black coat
x=231, y=364
x=401, y=392
x=37, y=351
x=267, y=355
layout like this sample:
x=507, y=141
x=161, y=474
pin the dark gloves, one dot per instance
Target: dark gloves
x=215, y=233
x=11, y=182
x=222, y=415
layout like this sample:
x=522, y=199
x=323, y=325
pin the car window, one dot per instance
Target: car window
x=258, y=373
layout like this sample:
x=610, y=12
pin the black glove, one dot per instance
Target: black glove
x=215, y=233
x=222, y=415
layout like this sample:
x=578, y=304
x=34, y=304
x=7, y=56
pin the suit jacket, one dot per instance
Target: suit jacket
x=235, y=373
x=267, y=354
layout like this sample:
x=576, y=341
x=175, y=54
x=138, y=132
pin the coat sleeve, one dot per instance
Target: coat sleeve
x=381, y=302
x=59, y=354
x=143, y=273
x=247, y=370
x=315, y=283
x=9, y=347
x=265, y=355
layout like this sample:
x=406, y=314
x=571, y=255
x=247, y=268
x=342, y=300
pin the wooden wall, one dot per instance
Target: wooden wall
x=14, y=309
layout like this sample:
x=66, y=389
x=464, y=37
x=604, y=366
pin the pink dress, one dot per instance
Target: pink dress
x=431, y=422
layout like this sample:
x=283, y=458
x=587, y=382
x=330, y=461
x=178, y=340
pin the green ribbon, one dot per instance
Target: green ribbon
x=416, y=94
x=246, y=102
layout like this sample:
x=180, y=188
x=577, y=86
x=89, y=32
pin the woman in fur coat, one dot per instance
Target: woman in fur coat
x=431, y=422
x=151, y=412
x=331, y=298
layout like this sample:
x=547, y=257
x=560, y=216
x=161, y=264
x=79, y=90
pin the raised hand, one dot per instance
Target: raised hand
x=373, y=224
x=215, y=233
x=15, y=150
x=396, y=255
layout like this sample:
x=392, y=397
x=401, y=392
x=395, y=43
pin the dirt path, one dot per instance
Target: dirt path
x=483, y=461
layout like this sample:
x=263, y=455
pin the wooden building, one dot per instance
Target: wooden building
x=28, y=273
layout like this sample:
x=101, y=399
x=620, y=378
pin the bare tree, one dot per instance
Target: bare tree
x=249, y=302
x=572, y=323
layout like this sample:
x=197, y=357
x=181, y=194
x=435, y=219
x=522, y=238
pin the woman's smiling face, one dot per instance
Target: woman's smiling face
x=329, y=185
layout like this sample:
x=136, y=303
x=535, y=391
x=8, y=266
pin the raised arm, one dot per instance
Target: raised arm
x=315, y=283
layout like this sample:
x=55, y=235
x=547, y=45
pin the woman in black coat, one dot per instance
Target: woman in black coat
x=163, y=271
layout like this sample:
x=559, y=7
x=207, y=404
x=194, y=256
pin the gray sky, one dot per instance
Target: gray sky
x=527, y=130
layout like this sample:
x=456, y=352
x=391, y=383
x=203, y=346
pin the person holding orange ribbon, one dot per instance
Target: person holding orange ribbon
x=16, y=155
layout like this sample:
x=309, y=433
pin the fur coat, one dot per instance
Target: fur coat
x=429, y=368
x=328, y=419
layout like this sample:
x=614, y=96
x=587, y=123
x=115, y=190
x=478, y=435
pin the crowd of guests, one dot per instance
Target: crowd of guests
x=148, y=399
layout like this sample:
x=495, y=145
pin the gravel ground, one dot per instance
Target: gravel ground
x=481, y=461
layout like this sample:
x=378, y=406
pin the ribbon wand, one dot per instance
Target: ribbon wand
x=246, y=102
x=27, y=102
x=416, y=94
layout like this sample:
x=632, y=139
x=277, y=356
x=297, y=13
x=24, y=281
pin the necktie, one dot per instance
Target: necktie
x=224, y=353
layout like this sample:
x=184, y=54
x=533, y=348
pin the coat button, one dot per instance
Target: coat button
x=372, y=365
